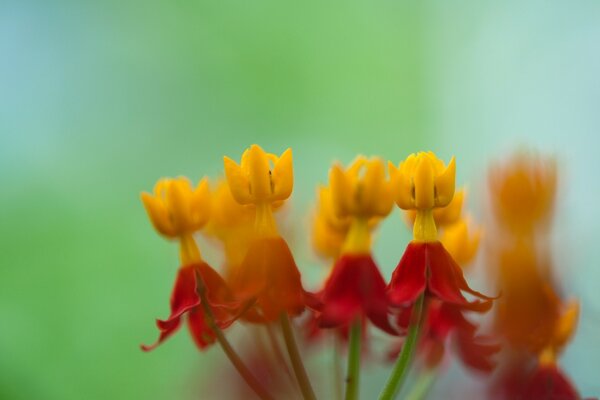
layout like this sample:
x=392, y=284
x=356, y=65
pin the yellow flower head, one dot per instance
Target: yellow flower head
x=423, y=182
x=523, y=191
x=260, y=178
x=460, y=243
x=362, y=190
x=175, y=208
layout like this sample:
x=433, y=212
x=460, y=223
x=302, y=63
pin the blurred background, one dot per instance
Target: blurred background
x=100, y=99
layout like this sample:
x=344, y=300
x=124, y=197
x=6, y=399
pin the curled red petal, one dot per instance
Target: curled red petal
x=446, y=280
x=183, y=299
x=409, y=278
x=477, y=351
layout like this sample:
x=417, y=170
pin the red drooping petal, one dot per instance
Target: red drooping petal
x=183, y=299
x=354, y=289
x=446, y=280
x=476, y=352
x=409, y=278
x=269, y=276
x=549, y=383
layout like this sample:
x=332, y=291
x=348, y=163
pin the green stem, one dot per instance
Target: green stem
x=296, y=360
x=423, y=386
x=337, y=368
x=235, y=359
x=353, y=371
x=401, y=367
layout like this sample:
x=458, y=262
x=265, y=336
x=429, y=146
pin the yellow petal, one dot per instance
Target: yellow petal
x=424, y=184
x=402, y=188
x=445, y=184
x=340, y=191
x=200, y=204
x=259, y=173
x=178, y=201
x=283, y=176
x=158, y=214
x=238, y=181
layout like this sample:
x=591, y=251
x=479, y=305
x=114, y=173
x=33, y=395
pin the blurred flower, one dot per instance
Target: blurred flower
x=523, y=191
x=356, y=288
x=531, y=316
x=422, y=183
x=268, y=274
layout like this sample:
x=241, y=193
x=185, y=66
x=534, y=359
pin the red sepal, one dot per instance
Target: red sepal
x=355, y=289
x=185, y=301
x=269, y=277
x=428, y=267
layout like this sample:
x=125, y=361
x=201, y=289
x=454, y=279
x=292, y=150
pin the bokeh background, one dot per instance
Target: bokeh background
x=99, y=99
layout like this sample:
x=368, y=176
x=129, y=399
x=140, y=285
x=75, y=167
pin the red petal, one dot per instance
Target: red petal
x=269, y=276
x=408, y=280
x=202, y=334
x=446, y=278
x=549, y=383
x=183, y=298
x=354, y=289
x=475, y=352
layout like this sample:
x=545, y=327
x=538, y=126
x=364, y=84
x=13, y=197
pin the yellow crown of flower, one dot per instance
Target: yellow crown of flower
x=260, y=177
x=176, y=208
x=362, y=190
x=423, y=181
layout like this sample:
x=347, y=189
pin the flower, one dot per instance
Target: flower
x=355, y=288
x=178, y=211
x=268, y=274
x=422, y=182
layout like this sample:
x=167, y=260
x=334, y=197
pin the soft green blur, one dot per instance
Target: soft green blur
x=100, y=99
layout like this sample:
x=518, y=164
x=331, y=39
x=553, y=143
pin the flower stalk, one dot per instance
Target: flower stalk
x=353, y=369
x=292, y=347
x=231, y=354
x=402, y=365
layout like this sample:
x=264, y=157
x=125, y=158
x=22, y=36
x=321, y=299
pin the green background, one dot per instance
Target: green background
x=100, y=99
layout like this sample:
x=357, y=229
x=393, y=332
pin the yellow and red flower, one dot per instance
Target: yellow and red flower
x=532, y=318
x=268, y=275
x=177, y=211
x=423, y=182
x=355, y=288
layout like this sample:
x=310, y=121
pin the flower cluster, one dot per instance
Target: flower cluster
x=425, y=306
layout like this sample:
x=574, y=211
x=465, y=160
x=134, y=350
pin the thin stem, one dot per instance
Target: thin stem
x=401, y=367
x=292, y=347
x=274, y=342
x=337, y=368
x=353, y=371
x=235, y=359
x=422, y=386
